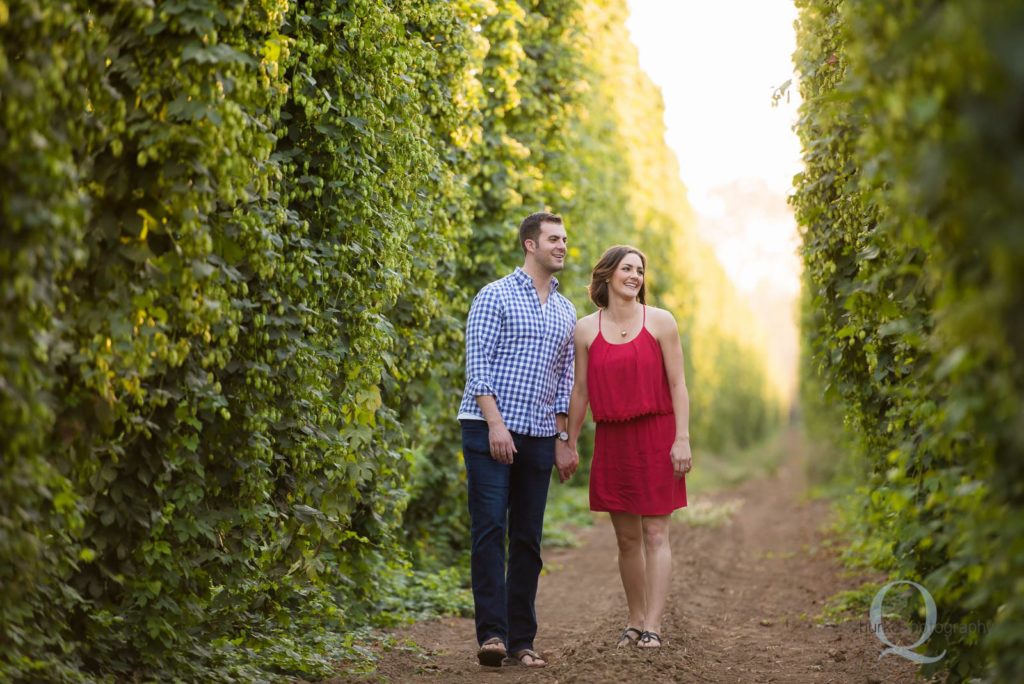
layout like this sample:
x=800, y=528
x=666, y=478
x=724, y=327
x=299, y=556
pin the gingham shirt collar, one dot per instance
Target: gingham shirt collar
x=525, y=281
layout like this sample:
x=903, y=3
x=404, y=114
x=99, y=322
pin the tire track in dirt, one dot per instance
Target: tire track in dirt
x=742, y=606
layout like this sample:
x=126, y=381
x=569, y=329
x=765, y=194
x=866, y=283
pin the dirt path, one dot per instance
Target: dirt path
x=744, y=597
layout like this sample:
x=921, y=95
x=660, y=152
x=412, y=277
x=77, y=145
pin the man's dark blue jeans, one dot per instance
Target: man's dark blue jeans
x=506, y=500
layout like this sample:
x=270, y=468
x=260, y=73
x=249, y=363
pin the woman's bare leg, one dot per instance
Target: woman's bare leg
x=629, y=535
x=658, y=570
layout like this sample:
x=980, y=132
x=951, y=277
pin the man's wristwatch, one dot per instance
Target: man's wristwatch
x=563, y=436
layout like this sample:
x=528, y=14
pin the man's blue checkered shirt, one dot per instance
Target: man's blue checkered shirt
x=520, y=354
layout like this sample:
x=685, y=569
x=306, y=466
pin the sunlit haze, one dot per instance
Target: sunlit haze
x=717, y=64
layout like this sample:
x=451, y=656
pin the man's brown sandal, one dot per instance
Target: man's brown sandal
x=520, y=657
x=625, y=639
x=491, y=657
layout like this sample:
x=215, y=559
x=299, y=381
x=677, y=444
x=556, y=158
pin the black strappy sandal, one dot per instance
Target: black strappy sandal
x=492, y=657
x=626, y=640
x=648, y=638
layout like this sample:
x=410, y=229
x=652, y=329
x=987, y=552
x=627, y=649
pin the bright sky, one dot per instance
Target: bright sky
x=717, y=64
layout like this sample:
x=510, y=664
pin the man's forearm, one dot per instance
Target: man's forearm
x=489, y=407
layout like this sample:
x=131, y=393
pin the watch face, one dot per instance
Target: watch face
x=564, y=436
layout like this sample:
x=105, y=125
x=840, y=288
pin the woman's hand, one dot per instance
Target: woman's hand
x=682, y=460
x=566, y=460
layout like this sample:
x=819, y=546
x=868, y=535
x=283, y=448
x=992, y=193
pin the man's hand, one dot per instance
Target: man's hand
x=502, y=446
x=566, y=460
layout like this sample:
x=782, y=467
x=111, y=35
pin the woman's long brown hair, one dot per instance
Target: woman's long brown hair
x=606, y=266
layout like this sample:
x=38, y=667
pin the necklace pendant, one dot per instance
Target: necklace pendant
x=623, y=333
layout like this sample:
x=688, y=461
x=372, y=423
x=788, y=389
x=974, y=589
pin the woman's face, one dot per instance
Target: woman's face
x=628, y=277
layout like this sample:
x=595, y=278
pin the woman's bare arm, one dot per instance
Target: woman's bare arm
x=667, y=334
x=582, y=337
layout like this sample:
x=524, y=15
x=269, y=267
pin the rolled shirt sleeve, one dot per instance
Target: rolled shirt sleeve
x=482, y=330
x=566, y=378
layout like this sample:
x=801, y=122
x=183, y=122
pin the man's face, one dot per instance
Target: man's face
x=551, y=246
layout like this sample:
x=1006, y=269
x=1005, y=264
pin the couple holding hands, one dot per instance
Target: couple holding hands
x=522, y=413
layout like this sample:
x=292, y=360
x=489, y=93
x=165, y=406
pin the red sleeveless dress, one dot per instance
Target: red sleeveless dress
x=632, y=405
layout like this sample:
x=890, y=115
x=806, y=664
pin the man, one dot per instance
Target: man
x=519, y=375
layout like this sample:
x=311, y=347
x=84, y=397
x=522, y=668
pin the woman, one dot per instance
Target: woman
x=629, y=367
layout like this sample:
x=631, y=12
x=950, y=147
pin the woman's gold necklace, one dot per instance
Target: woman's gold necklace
x=622, y=331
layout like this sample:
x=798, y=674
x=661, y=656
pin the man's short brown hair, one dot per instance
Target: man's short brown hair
x=529, y=229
